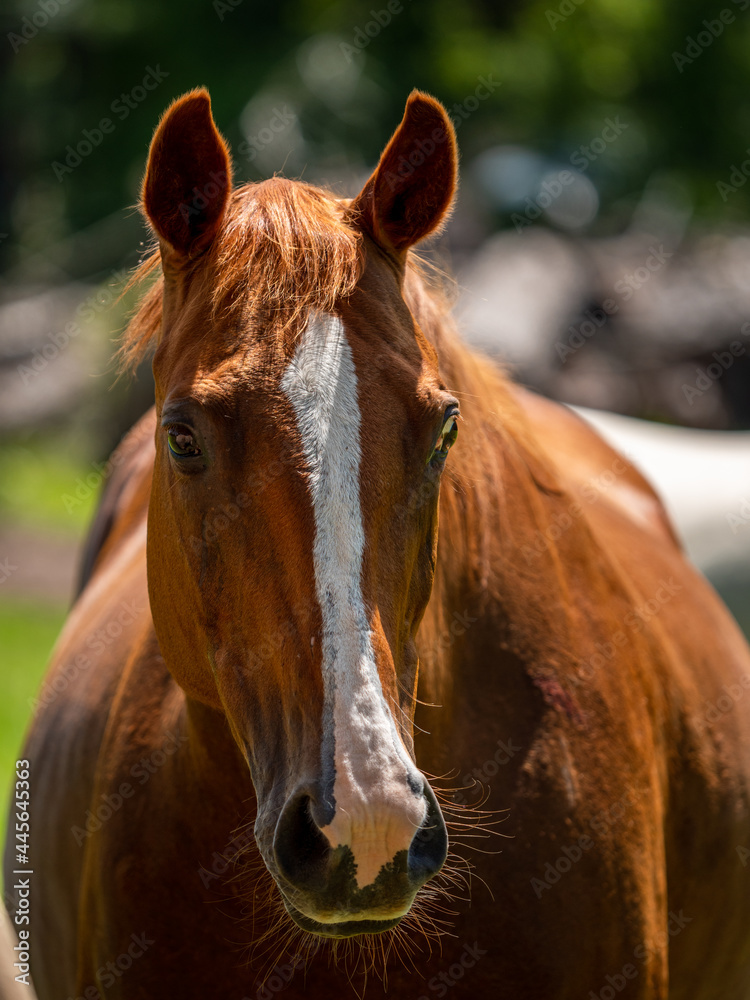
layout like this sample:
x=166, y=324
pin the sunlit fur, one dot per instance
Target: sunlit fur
x=285, y=248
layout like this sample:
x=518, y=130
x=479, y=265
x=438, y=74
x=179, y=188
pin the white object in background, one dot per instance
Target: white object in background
x=703, y=477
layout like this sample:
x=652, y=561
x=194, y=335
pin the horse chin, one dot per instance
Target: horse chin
x=342, y=929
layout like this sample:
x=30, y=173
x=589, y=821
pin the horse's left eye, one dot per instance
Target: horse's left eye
x=182, y=443
x=446, y=438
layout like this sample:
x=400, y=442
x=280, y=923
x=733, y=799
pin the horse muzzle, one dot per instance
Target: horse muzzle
x=321, y=883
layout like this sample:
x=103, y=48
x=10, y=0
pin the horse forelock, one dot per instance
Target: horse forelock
x=284, y=248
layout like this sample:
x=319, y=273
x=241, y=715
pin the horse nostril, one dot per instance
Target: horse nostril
x=301, y=850
x=305, y=860
x=429, y=848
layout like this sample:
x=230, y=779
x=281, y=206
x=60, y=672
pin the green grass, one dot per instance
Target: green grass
x=43, y=490
x=27, y=633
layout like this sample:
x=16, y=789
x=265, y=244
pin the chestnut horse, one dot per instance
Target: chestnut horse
x=227, y=780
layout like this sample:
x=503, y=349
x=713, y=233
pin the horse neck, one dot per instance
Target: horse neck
x=499, y=496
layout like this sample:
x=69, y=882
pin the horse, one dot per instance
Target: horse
x=281, y=708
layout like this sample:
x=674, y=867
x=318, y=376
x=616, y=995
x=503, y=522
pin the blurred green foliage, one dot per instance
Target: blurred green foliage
x=44, y=488
x=564, y=66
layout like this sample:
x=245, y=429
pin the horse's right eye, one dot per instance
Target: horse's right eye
x=182, y=442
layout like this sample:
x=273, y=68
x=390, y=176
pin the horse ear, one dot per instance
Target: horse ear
x=188, y=177
x=412, y=189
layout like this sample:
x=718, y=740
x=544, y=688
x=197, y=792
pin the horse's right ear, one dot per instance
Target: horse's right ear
x=188, y=177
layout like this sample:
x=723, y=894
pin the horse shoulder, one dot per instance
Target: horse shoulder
x=594, y=472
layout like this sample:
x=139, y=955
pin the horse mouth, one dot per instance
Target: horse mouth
x=339, y=929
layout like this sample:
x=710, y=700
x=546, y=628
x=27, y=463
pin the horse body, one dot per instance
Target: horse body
x=581, y=669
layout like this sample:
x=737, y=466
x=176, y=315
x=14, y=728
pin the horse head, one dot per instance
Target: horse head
x=300, y=409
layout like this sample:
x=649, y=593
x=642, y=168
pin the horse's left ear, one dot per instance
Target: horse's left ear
x=188, y=177
x=412, y=189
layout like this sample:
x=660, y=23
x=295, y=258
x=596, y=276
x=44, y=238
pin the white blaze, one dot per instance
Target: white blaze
x=377, y=813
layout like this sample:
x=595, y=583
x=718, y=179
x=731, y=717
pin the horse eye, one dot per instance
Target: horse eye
x=182, y=442
x=447, y=437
